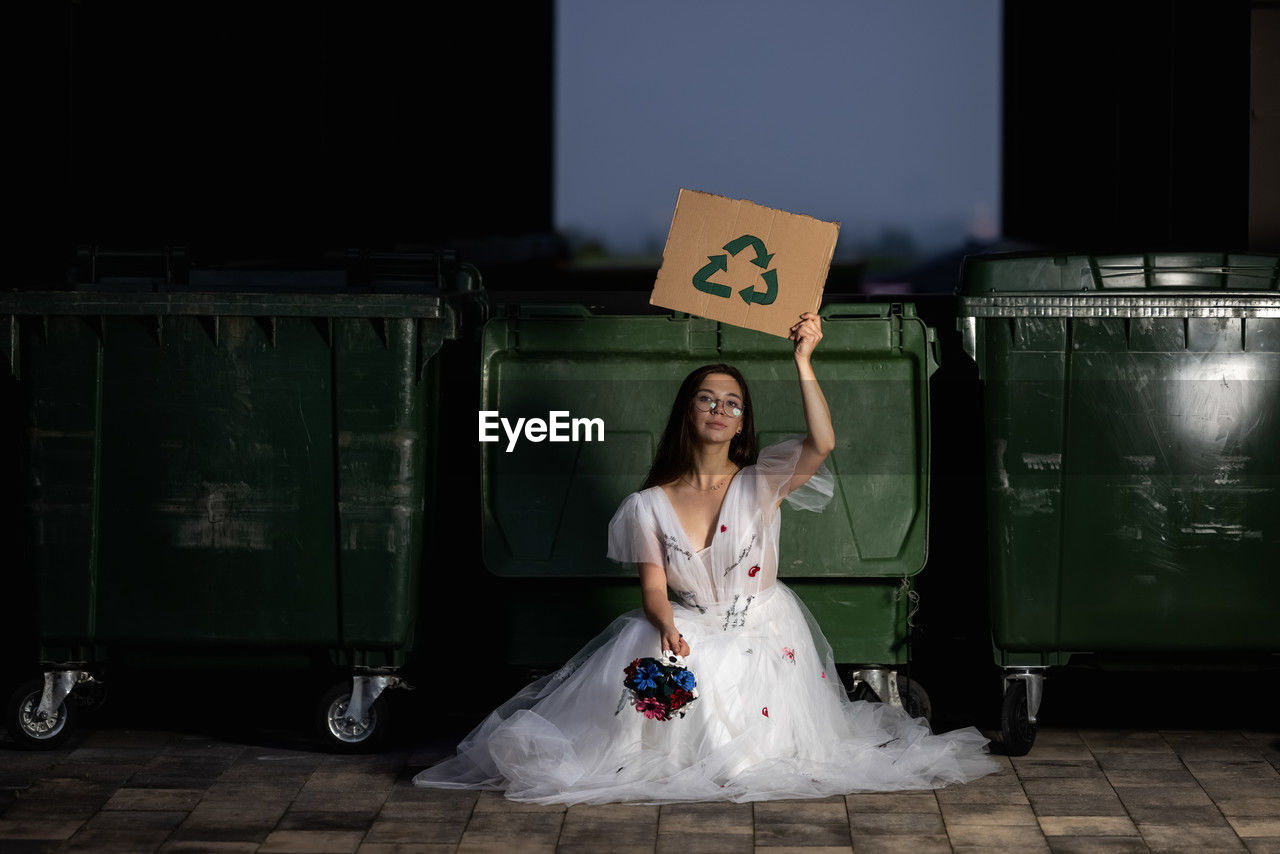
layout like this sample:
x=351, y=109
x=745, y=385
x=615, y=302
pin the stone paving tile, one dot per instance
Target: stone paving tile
x=889, y=802
x=1146, y=797
x=116, y=839
x=706, y=819
x=895, y=824
x=703, y=843
x=311, y=842
x=237, y=792
x=407, y=832
x=1263, y=845
x=208, y=847
x=1184, y=816
x=1131, y=741
x=1068, y=805
x=1056, y=769
x=1171, y=778
x=1166, y=837
x=406, y=848
x=1088, y=825
x=1092, y=844
x=47, y=829
x=240, y=823
x=1084, y=786
x=1250, y=826
x=1002, y=790
x=609, y=826
x=505, y=847
x=712, y=828
x=802, y=823
x=126, y=819
x=1249, y=806
x=296, y=819
x=904, y=844
x=965, y=815
x=992, y=837
x=1126, y=760
x=154, y=799
x=426, y=811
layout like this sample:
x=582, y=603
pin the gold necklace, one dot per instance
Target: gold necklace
x=714, y=488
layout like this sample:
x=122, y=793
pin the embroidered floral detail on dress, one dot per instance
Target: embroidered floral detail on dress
x=752, y=571
x=733, y=618
x=673, y=545
x=742, y=554
x=765, y=711
x=789, y=654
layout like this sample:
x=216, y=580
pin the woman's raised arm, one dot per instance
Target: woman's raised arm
x=821, y=437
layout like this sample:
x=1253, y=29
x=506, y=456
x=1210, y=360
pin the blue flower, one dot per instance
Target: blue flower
x=647, y=676
x=685, y=680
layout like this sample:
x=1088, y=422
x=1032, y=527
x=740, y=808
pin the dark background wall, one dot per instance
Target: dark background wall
x=288, y=130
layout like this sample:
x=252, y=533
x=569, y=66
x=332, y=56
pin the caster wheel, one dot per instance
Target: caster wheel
x=343, y=735
x=1017, y=731
x=915, y=701
x=22, y=718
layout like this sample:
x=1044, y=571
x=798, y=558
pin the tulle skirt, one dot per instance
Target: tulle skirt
x=771, y=721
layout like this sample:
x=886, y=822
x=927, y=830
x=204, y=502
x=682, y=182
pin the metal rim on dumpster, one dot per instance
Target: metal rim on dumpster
x=1121, y=305
x=345, y=729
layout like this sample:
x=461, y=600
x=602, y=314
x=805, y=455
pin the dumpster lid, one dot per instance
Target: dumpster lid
x=24, y=303
x=1137, y=273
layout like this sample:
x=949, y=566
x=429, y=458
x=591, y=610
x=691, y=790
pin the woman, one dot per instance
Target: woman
x=771, y=719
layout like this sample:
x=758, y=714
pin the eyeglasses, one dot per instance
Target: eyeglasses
x=707, y=403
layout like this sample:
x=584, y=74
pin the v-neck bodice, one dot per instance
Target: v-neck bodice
x=742, y=558
x=719, y=513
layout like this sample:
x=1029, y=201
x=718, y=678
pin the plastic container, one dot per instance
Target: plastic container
x=238, y=476
x=1132, y=405
x=546, y=506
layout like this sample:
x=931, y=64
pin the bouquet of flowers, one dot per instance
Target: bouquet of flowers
x=659, y=689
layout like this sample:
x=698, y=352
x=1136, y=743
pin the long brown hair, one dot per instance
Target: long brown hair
x=675, y=450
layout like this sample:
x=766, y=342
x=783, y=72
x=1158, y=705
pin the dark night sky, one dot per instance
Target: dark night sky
x=872, y=113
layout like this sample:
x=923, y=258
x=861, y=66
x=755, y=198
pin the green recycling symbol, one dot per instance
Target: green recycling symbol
x=720, y=263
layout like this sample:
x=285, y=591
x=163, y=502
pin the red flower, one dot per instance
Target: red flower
x=630, y=669
x=752, y=571
x=679, y=697
x=824, y=674
x=652, y=708
x=765, y=711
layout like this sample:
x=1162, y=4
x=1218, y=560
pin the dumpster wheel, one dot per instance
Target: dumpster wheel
x=340, y=733
x=1017, y=731
x=24, y=724
x=912, y=695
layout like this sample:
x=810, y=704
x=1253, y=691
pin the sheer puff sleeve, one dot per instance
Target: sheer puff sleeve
x=633, y=533
x=775, y=467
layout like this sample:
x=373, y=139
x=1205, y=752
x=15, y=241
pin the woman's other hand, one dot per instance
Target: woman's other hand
x=806, y=333
x=674, y=641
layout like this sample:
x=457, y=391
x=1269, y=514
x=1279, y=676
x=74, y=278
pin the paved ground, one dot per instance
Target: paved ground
x=114, y=789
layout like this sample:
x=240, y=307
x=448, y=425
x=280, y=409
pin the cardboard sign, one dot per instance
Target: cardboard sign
x=738, y=262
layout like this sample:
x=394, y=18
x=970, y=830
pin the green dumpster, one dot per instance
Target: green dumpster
x=546, y=505
x=235, y=475
x=1132, y=405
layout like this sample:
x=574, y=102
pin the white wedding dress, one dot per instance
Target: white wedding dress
x=771, y=720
